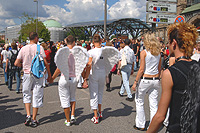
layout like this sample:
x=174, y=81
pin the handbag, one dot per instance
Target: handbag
x=123, y=61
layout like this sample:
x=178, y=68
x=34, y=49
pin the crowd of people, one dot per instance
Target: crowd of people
x=154, y=61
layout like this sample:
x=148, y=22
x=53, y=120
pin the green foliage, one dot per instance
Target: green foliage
x=30, y=26
x=2, y=41
x=78, y=33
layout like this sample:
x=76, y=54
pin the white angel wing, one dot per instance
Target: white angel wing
x=81, y=59
x=111, y=57
x=61, y=60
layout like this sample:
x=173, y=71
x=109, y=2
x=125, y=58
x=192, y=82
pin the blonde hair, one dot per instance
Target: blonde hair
x=152, y=44
x=185, y=35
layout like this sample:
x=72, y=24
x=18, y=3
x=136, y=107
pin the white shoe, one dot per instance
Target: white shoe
x=73, y=120
x=67, y=123
x=95, y=120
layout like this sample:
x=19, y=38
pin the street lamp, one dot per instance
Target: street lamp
x=37, y=16
x=105, y=18
x=21, y=28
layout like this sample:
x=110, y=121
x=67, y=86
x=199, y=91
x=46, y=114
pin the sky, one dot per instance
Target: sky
x=69, y=11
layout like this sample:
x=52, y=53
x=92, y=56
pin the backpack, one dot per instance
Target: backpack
x=37, y=65
x=12, y=61
x=190, y=106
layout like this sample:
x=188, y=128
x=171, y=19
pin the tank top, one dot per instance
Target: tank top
x=178, y=88
x=151, y=63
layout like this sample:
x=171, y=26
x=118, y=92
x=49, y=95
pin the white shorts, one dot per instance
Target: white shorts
x=96, y=86
x=67, y=90
x=31, y=83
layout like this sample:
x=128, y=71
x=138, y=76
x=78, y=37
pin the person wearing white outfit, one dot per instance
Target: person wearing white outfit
x=97, y=78
x=126, y=70
x=147, y=80
x=67, y=87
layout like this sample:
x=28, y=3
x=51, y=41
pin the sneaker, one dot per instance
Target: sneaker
x=121, y=95
x=95, y=120
x=129, y=99
x=137, y=128
x=108, y=89
x=34, y=123
x=100, y=114
x=67, y=123
x=28, y=121
x=73, y=120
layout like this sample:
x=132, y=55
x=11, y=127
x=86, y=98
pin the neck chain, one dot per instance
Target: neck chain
x=181, y=57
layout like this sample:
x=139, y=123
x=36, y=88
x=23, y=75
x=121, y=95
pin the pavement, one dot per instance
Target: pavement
x=118, y=114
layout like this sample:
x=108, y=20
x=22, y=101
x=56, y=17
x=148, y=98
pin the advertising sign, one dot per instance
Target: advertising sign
x=160, y=18
x=161, y=7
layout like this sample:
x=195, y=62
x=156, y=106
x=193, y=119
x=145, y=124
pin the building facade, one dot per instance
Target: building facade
x=56, y=30
x=189, y=9
x=12, y=33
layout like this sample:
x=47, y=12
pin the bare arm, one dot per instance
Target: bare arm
x=56, y=73
x=159, y=117
x=88, y=67
x=48, y=70
x=159, y=66
x=141, y=69
x=118, y=68
x=18, y=63
x=7, y=60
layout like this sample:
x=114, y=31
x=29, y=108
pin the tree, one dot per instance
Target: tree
x=30, y=26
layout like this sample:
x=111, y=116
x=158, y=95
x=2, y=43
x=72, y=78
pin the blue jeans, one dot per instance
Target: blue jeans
x=10, y=79
x=135, y=65
x=126, y=72
x=5, y=73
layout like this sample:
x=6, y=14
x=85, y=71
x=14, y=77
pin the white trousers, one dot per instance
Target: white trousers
x=80, y=81
x=150, y=87
x=96, y=86
x=31, y=83
x=67, y=90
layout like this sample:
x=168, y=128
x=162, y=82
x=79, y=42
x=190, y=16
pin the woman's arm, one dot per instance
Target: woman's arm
x=159, y=66
x=159, y=117
x=141, y=69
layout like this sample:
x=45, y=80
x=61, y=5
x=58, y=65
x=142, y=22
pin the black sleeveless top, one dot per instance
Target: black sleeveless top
x=178, y=88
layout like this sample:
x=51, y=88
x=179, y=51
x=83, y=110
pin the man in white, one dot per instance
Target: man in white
x=67, y=88
x=26, y=55
x=126, y=70
x=97, y=78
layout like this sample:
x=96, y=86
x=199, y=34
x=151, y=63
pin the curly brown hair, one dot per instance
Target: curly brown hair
x=185, y=35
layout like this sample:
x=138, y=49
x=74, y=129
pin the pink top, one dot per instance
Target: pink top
x=27, y=53
x=71, y=64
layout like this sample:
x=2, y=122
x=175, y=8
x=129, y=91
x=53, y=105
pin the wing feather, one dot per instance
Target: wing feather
x=61, y=60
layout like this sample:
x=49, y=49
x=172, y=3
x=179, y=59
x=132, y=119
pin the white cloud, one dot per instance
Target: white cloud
x=128, y=9
x=76, y=11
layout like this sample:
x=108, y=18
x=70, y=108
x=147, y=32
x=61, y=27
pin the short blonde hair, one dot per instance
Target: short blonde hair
x=152, y=44
x=185, y=35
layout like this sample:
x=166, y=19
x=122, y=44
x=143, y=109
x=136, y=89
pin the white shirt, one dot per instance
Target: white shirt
x=5, y=55
x=129, y=53
x=97, y=59
x=151, y=63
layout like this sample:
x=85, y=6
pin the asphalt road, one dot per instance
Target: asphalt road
x=118, y=114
